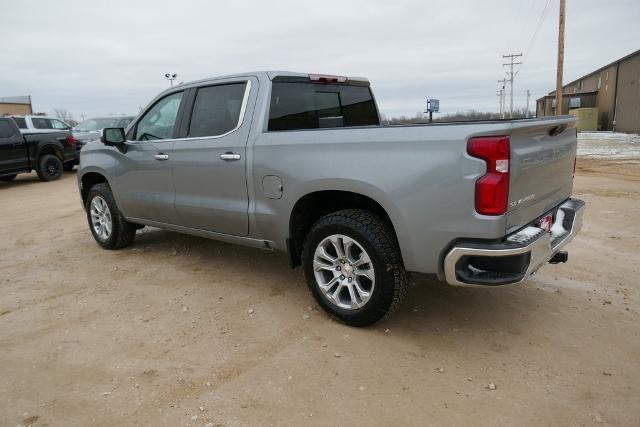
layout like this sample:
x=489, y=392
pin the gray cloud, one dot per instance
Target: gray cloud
x=98, y=58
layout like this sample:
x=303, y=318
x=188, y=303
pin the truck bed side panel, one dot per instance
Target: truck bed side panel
x=421, y=175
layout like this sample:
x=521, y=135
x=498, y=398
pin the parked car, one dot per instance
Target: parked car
x=300, y=163
x=44, y=152
x=40, y=124
x=91, y=129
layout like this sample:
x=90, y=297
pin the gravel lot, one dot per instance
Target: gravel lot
x=179, y=330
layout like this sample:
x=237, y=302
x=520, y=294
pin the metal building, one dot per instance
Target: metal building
x=613, y=89
x=18, y=105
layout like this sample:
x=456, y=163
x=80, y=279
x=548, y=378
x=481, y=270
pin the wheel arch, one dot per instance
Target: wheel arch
x=88, y=180
x=313, y=205
x=51, y=147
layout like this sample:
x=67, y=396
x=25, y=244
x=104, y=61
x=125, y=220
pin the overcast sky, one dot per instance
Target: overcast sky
x=104, y=57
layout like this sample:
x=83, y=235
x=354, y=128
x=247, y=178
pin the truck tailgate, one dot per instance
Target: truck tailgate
x=543, y=156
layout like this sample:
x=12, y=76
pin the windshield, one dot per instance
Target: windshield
x=91, y=125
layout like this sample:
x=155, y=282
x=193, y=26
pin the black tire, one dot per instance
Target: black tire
x=68, y=167
x=8, y=178
x=49, y=167
x=379, y=241
x=122, y=231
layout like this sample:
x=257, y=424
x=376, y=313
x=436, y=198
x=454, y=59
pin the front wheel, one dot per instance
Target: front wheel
x=353, y=267
x=107, y=224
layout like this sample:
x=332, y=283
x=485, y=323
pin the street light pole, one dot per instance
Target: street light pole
x=171, y=77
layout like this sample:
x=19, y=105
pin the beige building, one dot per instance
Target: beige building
x=613, y=89
x=18, y=105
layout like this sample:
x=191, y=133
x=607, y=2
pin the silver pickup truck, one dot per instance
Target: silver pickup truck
x=300, y=163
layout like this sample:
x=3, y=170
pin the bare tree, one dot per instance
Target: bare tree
x=63, y=114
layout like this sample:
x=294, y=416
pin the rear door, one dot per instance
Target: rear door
x=13, y=150
x=209, y=158
x=543, y=154
x=144, y=182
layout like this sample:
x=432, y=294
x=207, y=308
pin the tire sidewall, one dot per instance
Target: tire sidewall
x=43, y=173
x=110, y=241
x=376, y=303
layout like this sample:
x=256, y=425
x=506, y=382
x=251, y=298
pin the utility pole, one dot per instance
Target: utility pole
x=503, y=83
x=528, y=96
x=560, y=59
x=499, y=95
x=511, y=57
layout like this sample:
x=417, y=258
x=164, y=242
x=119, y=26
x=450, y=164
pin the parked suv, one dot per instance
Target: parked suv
x=300, y=163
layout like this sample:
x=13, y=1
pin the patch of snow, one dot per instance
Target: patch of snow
x=475, y=271
x=558, y=229
x=525, y=234
x=610, y=145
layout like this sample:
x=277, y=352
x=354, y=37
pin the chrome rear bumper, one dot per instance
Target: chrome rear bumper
x=518, y=256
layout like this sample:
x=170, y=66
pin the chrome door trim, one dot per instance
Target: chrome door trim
x=243, y=110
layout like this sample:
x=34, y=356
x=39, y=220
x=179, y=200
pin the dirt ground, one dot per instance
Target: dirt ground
x=179, y=330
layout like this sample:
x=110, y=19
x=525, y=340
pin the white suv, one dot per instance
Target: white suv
x=39, y=124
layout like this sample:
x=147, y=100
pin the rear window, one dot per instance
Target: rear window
x=302, y=105
x=40, y=123
x=21, y=122
x=6, y=130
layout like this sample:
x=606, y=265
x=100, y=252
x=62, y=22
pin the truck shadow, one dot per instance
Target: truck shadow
x=430, y=306
x=28, y=179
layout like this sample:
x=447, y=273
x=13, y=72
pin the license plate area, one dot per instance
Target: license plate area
x=546, y=222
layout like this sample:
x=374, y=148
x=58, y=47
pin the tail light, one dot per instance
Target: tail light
x=492, y=189
x=72, y=141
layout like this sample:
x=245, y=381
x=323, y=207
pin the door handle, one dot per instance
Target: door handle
x=230, y=156
x=161, y=157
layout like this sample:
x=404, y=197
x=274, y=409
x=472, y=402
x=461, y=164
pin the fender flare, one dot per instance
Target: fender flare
x=57, y=148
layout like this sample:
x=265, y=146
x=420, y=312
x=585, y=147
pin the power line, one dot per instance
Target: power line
x=543, y=16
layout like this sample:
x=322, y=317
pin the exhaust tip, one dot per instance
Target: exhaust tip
x=560, y=257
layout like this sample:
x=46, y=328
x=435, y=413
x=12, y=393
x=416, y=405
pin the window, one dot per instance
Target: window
x=159, y=121
x=123, y=123
x=6, y=130
x=57, y=124
x=216, y=109
x=41, y=123
x=21, y=122
x=302, y=105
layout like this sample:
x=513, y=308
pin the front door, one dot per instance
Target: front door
x=13, y=150
x=144, y=176
x=209, y=163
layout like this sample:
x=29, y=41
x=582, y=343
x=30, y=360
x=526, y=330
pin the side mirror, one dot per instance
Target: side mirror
x=113, y=136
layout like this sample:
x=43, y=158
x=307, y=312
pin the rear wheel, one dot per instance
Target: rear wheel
x=49, y=167
x=107, y=225
x=354, y=268
x=8, y=178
